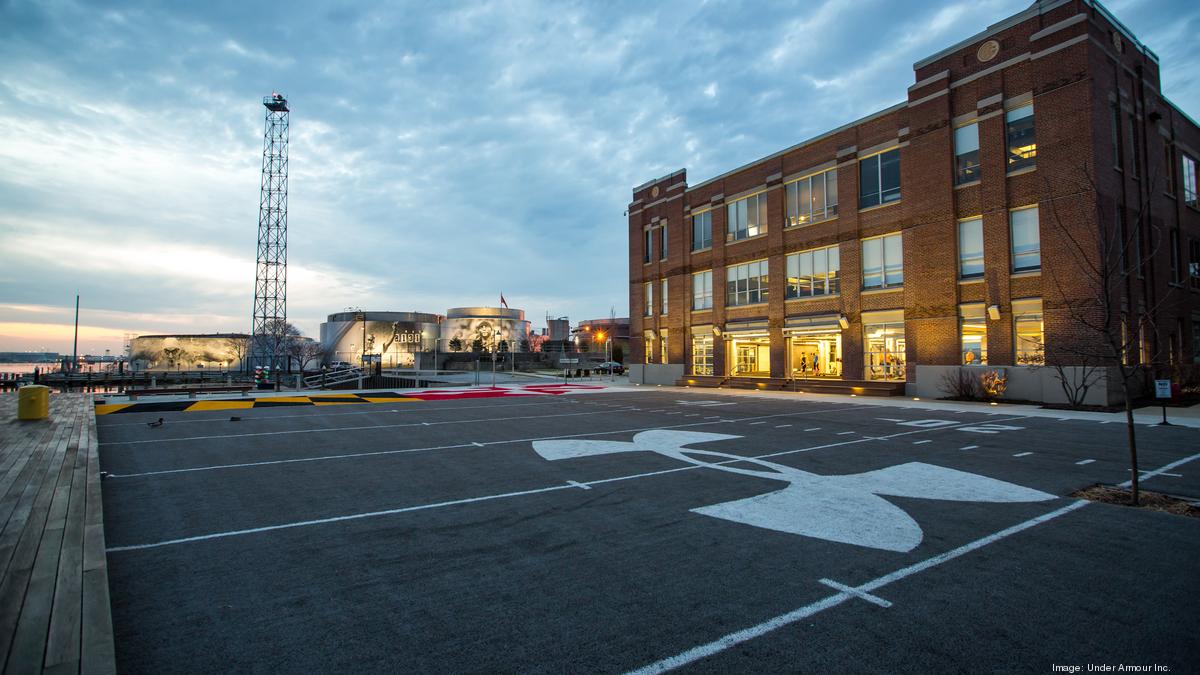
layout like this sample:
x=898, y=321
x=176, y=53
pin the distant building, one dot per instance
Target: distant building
x=593, y=334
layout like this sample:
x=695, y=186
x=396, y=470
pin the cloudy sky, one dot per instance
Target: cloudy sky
x=441, y=153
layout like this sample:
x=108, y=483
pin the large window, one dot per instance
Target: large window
x=664, y=296
x=1026, y=240
x=702, y=290
x=879, y=179
x=1030, y=335
x=970, y=248
x=813, y=273
x=1170, y=186
x=883, y=262
x=884, y=345
x=702, y=231
x=1194, y=269
x=1188, y=175
x=702, y=354
x=972, y=330
x=662, y=346
x=662, y=242
x=746, y=284
x=648, y=341
x=966, y=154
x=1022, y=144
x=648, y=290
x=811, y=199
x=647, y=246
x=746, y=217
x=1135, y=149
x=1118, y=150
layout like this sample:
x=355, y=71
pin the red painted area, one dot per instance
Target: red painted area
x=501, y=392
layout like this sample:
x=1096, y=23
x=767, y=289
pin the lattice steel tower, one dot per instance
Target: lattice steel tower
x=270, y=277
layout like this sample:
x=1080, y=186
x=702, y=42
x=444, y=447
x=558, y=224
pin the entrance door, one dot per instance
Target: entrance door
x=749, y=357
x=816, y=355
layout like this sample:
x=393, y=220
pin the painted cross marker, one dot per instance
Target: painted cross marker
x=1022, y=454
x=928, y=424
x=968, y=447
x=1084, y=461
x=856, y=592
x=989, y=428
x=478, y=445
x=849, y=508
x=579, y=485
x=1163, y=473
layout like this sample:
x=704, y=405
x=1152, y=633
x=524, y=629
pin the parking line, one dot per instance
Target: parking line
x=813, y=429
x=782, y=426
x=1084, y=461
x=921, y=442
x=968, y=447
x=1022, y=454
x=844, y=433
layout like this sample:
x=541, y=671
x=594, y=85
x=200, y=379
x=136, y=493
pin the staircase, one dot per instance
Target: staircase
x=813, y=386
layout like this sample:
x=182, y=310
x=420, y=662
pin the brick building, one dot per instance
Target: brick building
x=953, y=228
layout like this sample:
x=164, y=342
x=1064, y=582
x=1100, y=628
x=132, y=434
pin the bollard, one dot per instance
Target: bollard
x=33, y=402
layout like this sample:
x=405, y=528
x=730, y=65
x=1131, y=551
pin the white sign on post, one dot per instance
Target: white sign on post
x=1162, y=389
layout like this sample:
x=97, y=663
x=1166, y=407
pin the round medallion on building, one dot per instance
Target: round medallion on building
x=988, y=51
x=654, y=191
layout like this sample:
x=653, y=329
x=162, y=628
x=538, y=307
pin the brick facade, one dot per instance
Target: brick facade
x=1076, y=64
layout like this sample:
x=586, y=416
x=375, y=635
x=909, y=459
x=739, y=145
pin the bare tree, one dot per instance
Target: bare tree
x=238, y=346
x=1106, y=268
x=304, y=351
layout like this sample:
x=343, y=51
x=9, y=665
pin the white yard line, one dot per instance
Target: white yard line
x=921, y=442
x=968, y=447
x=1084, y=461
x=1022, y=454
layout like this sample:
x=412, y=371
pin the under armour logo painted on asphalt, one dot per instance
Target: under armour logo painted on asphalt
x=850, y=509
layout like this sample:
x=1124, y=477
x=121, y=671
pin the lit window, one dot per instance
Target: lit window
x=813, y=273
x=702, y=354
x=972, y=329
x=649, y=298
x=702, y=231
x=746, y=217
x=662, y=347
x=970, y=248
x=1022, y=144
x=1026, y=240
x=879, y=179
x=664, y=296
x=746, y=284
x=648, y=346
x=966, y=154
x=702, y=296
x=812, y=199
x=1029, y=330
x=883, y=262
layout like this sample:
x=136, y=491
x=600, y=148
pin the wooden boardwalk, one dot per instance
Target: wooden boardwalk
x=54, y=605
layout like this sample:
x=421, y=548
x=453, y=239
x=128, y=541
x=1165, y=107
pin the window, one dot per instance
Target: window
x=812, y=199
x=702, y=354
x=746, y=218
x=648, y=341
x=883, y=262
x=662, y=347
x=884, y=345
x=972, y=330
x=1188, y=175
x=662, y=241
x=702, y=290
x=1022, y=144
x=1026, y=240
x=702, y=231
x=1194, y=266
x=746, y=284
x=879, y=179
x=1170, y=187
x=1175, y=255
x=813, y=273
x=966, y=154
x=1028, y=327
x=1118, y=152
x=648, y=289
x=1135, y=154
x=649, y=244
x=970, y=248
x=664, y=296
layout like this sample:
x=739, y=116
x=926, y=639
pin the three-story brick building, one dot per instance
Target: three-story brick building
x=961, y=226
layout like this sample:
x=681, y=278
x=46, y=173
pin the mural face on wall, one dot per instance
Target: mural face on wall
x=395, y=342
x=488, y=331
x=184, y=352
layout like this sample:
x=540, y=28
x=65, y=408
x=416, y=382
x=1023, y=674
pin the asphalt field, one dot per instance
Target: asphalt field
x=614, y=531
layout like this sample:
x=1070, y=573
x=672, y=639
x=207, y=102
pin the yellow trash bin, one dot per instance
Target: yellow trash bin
x=33, y=402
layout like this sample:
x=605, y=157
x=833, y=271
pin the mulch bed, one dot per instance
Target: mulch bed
x=1155, y=501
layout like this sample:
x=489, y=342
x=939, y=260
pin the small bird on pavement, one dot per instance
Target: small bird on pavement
x=235, y=418
x=159, y=423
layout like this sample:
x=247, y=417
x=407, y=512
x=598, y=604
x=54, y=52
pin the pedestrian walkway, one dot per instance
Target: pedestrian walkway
x=54, y=603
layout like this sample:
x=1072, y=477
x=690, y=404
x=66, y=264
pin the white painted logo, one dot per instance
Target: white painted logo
x=849, y=509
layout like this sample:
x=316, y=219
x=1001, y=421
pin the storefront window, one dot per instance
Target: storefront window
x=702, y=354
x=884, y=346
x=1029, y=329
x=972, y=328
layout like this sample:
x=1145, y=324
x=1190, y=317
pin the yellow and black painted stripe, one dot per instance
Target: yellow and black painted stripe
x=244, y=403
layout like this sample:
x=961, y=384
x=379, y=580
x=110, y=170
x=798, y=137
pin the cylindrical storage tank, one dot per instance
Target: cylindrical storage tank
x=395, y=339
x=489, y=328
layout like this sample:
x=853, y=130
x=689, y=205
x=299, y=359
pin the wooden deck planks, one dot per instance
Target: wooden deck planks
x=54, y=602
